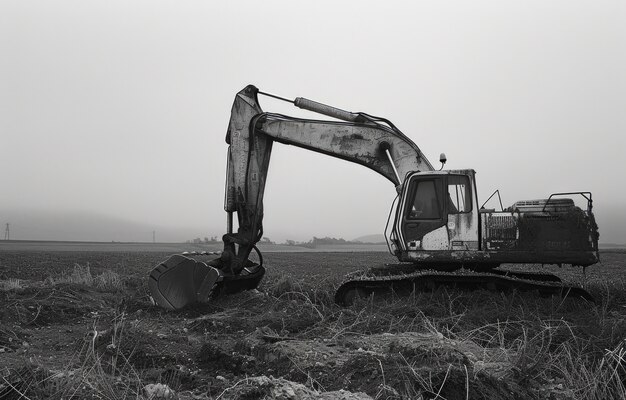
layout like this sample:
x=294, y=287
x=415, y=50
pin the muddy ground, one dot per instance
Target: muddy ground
x=82, y=325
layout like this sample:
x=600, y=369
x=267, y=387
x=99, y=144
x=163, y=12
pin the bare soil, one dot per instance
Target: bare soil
x=287, y=340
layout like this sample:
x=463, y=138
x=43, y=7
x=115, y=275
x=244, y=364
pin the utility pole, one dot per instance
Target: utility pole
x=153, y=236
x=7, y=233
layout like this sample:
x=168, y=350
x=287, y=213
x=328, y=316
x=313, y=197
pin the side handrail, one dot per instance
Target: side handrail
x=499, y=198
x=388, y=237
x=584, y=194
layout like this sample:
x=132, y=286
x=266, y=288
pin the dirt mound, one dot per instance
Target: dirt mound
x=251, y=309
x=429, y=362
x=263, y=387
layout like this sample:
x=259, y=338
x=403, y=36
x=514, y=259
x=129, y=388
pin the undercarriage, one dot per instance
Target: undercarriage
x=406, y=279
x=185, y=279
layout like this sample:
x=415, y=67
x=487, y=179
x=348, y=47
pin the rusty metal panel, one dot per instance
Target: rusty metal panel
x=436, y=240
x=463, y=222
x=463, y=229
x=494, y=257
x=560, y=231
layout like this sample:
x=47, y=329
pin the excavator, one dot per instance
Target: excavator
x=436, y=228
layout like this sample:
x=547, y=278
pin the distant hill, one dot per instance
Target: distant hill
x=85, y=226
x=376, y=238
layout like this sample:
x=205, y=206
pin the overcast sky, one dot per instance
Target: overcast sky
x=120, y=108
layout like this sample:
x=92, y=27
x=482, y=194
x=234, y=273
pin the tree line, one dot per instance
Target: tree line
x=312, y=243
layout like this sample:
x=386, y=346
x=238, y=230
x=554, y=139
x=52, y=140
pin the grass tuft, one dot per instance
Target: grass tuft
x=109, y=280
x=81, y=275
x=11, y=284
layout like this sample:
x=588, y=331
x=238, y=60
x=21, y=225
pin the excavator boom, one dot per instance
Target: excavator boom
x=251, y=134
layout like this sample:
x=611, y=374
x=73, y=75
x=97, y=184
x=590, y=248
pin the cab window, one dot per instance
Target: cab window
x=459, y=194
x=425, y=204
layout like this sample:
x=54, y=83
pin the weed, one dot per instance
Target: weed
x=89, y=374
x=109, y=280
x=81, y=275
x=11, y=284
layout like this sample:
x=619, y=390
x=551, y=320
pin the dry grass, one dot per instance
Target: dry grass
x=81, y=275
x=572, y=348
x=108, y=280
x=98, y=370
x=549, y=348
x=11, y=284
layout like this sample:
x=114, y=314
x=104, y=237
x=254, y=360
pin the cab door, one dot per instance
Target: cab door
x=423, y=214
x=462, y=213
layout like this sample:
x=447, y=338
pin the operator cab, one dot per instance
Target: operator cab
x=437, y=211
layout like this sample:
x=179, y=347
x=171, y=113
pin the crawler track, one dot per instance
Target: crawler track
x=381, y=283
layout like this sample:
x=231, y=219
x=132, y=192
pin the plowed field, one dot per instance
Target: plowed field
x=81, y=325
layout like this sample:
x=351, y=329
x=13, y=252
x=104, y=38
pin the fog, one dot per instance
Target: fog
x=118, y=110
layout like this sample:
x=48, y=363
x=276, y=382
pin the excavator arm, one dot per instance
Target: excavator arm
x=357, y=137
x=369, y=141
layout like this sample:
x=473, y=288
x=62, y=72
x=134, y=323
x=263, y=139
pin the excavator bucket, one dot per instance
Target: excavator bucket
x=182, y=280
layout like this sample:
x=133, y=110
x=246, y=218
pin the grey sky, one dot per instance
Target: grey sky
x=120, y=108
